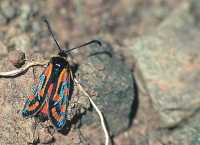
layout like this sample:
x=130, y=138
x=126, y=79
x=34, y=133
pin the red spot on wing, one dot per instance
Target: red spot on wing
x=41, y=93
x=31, y=97
x=55, y=114
x=66, y=92
x=50, y=89
x=33, y=107
x=44, y=109
x=62, y=108
x=56, y=98
x=48, y=70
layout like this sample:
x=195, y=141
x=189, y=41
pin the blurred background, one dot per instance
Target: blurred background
x=157, y=39
x=76, y=21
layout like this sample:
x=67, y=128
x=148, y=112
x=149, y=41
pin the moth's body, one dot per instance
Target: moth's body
x=51, y=95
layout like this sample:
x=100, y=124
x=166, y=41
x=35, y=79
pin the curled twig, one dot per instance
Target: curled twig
x=98, y=111
x=16, y=72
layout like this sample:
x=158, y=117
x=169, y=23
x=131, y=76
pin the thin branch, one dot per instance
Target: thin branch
x=16, y=72
x=98, y=111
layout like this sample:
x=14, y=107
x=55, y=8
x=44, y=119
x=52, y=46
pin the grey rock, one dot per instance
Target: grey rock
x=186, y=133
x=2, y=20
x=111, y=83
x=169, y=61
x=8, y=9
x=25, y=13
x=195, y=9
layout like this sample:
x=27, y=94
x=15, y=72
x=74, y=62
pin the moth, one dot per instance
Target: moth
x=50, y=96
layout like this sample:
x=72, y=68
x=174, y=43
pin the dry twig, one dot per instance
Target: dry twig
x=16, y=72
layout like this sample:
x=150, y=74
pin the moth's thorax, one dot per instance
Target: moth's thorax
x=59, y=62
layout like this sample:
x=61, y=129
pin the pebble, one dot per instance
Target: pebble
x=17, y=58
x=45, y=137
x=3, y=49
x=8, y=9
x=2, y=20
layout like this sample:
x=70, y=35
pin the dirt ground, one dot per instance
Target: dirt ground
x=117, y=22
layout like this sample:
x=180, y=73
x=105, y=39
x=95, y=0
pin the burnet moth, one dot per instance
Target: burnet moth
x=50, y=96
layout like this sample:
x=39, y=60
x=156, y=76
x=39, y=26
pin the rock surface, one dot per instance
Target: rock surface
x=169, y=61
x=113, y=88
x=164, y=59
x=104, y=76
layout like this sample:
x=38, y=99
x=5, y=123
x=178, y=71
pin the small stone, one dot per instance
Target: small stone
x=8, y=9
x=25, y=13
x=17, y=58
x=3, y=49
x=77, y=140
x=45, y=137
x=82, y=111
x=195, y=8
x=2, y=20
x=36, y=27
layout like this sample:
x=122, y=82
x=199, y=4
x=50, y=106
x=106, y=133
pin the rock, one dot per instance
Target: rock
x=17, y=58
x=3, y=49
x=20, y=42
x=14, y=129
x=195, y=9
x=169, y=60
x=111, y=84
x=25, y=12
x=45, y=137
x=2, y=20
x=8, y=9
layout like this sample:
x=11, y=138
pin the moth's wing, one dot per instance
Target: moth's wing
x=59, y=101
x=35, y=102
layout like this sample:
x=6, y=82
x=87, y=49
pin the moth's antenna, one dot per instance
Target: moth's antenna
x=85, y=44
x=51, y=32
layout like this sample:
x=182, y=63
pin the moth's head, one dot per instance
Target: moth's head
x=62, y=54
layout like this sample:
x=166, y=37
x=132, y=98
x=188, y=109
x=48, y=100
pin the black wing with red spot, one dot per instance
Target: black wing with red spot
x=35, y=102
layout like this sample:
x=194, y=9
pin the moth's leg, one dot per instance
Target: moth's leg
x=71, y=75
x=35, y=142
x=35, y=130
x=51, y=130
x=34, y=77
x=48, y=126
x=47, y=133
x=36, y=139
x=78, y=77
